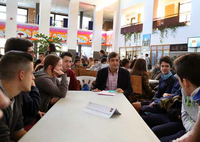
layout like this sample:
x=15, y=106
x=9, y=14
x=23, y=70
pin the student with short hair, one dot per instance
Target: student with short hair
x=114, y=77
x=66, y=64
x=166, y=83
x=16, y=75
x=40, y=60
x=125, y=64
x=188, y=69
x=77, y=63
x=31, y=100
x=51, y=89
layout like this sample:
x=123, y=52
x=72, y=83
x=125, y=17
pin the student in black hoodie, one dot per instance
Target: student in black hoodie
x=31, y=100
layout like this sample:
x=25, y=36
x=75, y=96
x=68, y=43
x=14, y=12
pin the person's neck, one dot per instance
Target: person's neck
x=49, y=73
x=112, y=70
x=11, y=88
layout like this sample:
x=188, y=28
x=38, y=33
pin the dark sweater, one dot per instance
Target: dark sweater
x=165, y=86
x=50, y=87
x=31, y=105
x=12, y=120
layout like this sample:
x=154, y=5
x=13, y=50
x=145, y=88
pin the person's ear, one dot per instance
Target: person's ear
x=186, y=83
x=50, y=67
x=21, y=75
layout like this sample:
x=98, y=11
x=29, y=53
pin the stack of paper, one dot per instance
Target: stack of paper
x=107, y=93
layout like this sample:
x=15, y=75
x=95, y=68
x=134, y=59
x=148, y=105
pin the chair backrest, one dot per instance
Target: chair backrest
x=83, y=72
x=76, y=70
x=88, y=80
x=136, y=84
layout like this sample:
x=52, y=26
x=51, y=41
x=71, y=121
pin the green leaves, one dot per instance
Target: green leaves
x=44, y=41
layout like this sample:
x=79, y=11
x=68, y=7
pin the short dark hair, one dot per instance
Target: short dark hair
x=102, y=51
x=13, y=62
x=112, y=55
x=95, y=60
x=52, y=60
x=103, y=60
x=76, y=60
x=66, y=54
x=19, y=44
x=147, y=55
x=124, y=62
x=41, y=53
x=187, y=66
x=166, y=59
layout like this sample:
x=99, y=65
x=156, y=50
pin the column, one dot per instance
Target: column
x=11, y=18
x=37, y=12
x=148, y=22
x=148, y=16
x=72, y=26
x=97, y=32
x=44, y=17
x=116, y=27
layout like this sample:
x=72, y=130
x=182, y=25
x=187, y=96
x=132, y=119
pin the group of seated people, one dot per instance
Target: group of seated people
x=26, y=95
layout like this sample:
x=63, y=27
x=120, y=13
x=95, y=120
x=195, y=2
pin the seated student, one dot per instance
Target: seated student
x=66, y=64
x=51, y=89
x=40, y=60
x=77, y=63
x=31, y=100
x=125, y=64
x=91, y=62
x=16, y=75
x=114, y=77
x=4, y=102
x=188, y=69
x=166, y=83
x=98, y=66
x=102, y=54
x=140, y=69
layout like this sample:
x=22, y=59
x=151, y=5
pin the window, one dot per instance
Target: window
x=157, y=52
x=185, y=8
x=22, y=15
x=2, y=12
x=59, y=20
x=85, y=22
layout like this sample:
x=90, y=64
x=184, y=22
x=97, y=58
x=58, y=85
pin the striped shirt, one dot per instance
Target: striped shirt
x=112, y=79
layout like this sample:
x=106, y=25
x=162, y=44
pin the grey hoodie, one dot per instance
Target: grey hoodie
x=188, y=112
x=50, y=87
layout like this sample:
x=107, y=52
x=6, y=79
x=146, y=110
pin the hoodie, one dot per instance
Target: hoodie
x=50, y=87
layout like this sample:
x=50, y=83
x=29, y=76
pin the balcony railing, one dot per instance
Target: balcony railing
x=134, y=27
x=171, y=20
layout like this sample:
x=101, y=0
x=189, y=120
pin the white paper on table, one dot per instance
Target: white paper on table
x=101, y=110
x=107, y=93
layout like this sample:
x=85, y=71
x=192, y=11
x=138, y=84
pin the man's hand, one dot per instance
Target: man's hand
x=4, y=102
x=41, y=114
x=119, y=90
x=151, y=104
x=166, y=94
x=54, y=100
x=97, y=90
